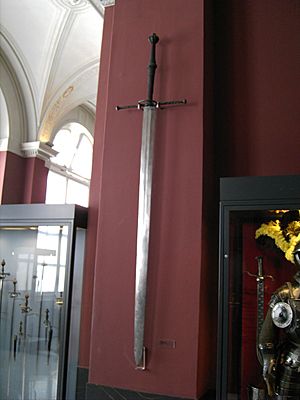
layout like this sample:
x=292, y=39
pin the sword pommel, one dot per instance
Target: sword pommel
x=153, y=39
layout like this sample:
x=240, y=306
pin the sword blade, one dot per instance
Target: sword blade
x=143, y=229
x=1, y=295
x=260, y=303
x=260, y=294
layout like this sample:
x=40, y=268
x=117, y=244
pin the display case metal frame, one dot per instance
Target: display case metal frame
x=74, y=217
x=244, y=194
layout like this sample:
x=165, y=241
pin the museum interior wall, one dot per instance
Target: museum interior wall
x=255, y=100
x=175, y=250
x=257, y=87
x=240, y=120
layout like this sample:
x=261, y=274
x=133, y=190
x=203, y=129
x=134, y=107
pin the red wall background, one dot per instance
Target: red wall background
x=13, y=178
x=237, y=61
x=94, y=199
x=35, y=180
x=176, y=274
x=257, y=87
x=22, y=180
x=2, y=169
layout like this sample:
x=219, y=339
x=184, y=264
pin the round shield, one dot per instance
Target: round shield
x=282, y=314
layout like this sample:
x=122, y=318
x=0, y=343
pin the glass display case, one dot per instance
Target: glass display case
x=259, y=285
x=41, y=255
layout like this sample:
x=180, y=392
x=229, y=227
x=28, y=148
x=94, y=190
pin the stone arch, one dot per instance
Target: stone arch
x=82, y=115
x=18, y=99
x=4, y=121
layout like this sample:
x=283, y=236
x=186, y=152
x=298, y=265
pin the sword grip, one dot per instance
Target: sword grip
x=153, y=39
x=260, y=265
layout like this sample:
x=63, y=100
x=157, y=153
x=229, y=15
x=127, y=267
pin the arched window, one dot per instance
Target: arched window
x=70, y=171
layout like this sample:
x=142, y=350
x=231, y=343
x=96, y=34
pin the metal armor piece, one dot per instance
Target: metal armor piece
x=282, y=314
x=289, y=372
x=255, y=393
x=280, y=343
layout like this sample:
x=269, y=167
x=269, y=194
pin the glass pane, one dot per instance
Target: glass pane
x=56, y=189
x=77, y=193
x=82, y=162
x=261, y=244
x=61, y=279
x=32, y=286
x=75, y=147
x=63, y=245
x=65, y=143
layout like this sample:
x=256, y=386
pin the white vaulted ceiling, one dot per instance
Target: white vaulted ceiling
x=50, y=51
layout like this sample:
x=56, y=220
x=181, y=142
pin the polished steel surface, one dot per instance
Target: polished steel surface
x=149, y=108
x=282, y=314
x=143, y=231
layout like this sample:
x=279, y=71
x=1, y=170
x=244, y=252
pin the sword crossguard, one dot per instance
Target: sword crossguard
x=260, y=278
x=158, y=104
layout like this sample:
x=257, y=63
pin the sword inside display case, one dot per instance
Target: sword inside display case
x=35, y=274
x=35, y=258
x=259, y=302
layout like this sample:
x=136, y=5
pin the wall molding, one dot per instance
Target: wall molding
x=107, y=3
x=41, y=150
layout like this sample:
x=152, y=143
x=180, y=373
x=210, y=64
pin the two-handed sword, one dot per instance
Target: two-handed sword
x=149, y=108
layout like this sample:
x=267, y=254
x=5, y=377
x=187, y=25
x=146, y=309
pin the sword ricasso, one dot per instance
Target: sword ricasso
x=147, y=103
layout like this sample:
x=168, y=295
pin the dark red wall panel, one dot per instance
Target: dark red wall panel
x=255, y=131
x=13, y=182
x=35, y=181
x=2, y=169
x=95, y=189
x=175, y=270
x=24, y=179
x=258, y=87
